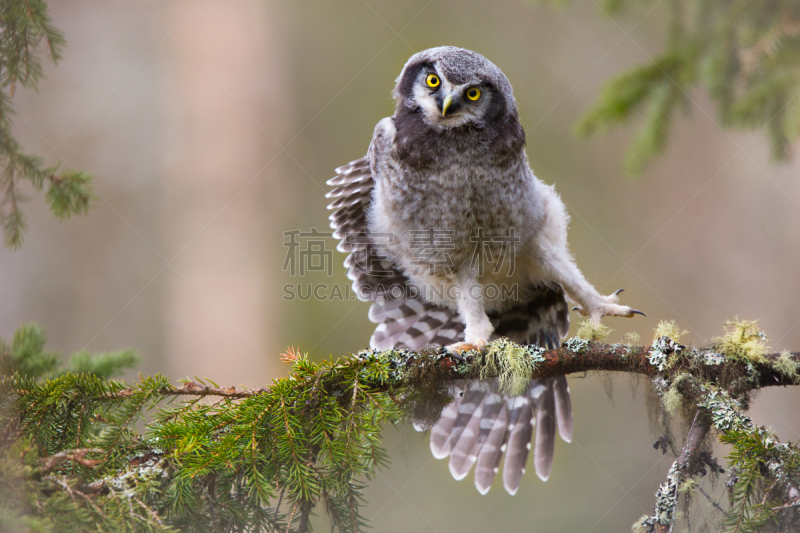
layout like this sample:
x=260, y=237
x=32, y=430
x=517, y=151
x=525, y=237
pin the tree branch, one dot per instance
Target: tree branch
x=191, y=388
x=78, y=456
x=686, y=466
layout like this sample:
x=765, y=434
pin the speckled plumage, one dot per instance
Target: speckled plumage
x=456, y=167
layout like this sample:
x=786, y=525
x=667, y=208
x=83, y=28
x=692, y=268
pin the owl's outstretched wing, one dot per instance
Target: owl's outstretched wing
x=404, y=321
x=374, y=277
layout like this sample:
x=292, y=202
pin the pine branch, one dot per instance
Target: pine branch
x=26, y=31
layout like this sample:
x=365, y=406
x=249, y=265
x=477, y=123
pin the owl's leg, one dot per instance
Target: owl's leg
x=557, y=264
x=478, y=327
x=560, y=267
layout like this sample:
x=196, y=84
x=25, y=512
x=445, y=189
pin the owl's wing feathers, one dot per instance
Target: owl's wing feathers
x=373, y=276
x=403, y=320
x=413, y=324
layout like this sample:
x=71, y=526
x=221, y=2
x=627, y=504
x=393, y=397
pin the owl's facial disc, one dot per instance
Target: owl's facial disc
x=449, y=105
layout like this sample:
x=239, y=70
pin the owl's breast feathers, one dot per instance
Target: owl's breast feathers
x=472, y=193
x=419, y=145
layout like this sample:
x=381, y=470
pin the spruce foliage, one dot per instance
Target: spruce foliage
x=257, y=461
x=26, y=32
x=745, y=54
x=73, y=453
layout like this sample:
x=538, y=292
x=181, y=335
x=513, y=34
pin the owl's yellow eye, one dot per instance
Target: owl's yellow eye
x=432, y=80
x=473, y=94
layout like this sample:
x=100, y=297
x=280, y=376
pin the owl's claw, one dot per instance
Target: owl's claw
x=461, y=347
x=608, y=306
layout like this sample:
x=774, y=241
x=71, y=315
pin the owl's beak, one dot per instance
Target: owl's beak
x=449, y=104
x=447, y=101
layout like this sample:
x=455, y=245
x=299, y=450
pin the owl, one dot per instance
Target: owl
x=456, y=242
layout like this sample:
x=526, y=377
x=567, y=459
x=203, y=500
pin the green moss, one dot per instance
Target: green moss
x=592, y=331
x=742, y=342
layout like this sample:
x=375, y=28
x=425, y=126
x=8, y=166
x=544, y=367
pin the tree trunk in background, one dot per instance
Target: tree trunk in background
x=224, y=107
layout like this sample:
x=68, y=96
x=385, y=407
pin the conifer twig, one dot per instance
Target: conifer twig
x=191, y=388
x=77, y=455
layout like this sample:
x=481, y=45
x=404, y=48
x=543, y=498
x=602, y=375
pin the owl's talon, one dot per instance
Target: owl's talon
x=618, y=291
x=637, y=312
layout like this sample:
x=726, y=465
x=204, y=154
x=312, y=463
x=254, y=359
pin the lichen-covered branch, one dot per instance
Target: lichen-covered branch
x=685, y=467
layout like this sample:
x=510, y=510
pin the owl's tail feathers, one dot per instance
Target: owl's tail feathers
x=563, y=406
x=440, y=432
x=520, y=430
x=545, y=432
x=491, y=453
x=554, y=410
x=481, y=426
x=471, y=446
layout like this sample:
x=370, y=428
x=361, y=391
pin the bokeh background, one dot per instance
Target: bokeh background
x=211, y=128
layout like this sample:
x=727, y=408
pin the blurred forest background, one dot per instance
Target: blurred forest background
x=211, y=128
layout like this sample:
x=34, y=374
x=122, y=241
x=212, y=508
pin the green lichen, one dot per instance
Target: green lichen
x=787, y=366
x=742, y=342
x=664, y=353
x=666, y=502
x=725, y=414
x=668, y=328
x=688, y=486
x=672, y=400
x=576, y=345
x=511, y=363
x=592, y=331
x=632, y=339
x=639, y=526
x=713, y=359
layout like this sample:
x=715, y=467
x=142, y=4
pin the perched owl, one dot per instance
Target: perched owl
x=456, y=242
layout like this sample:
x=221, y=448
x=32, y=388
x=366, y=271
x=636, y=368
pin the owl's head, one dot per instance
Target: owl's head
x=451, y=87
